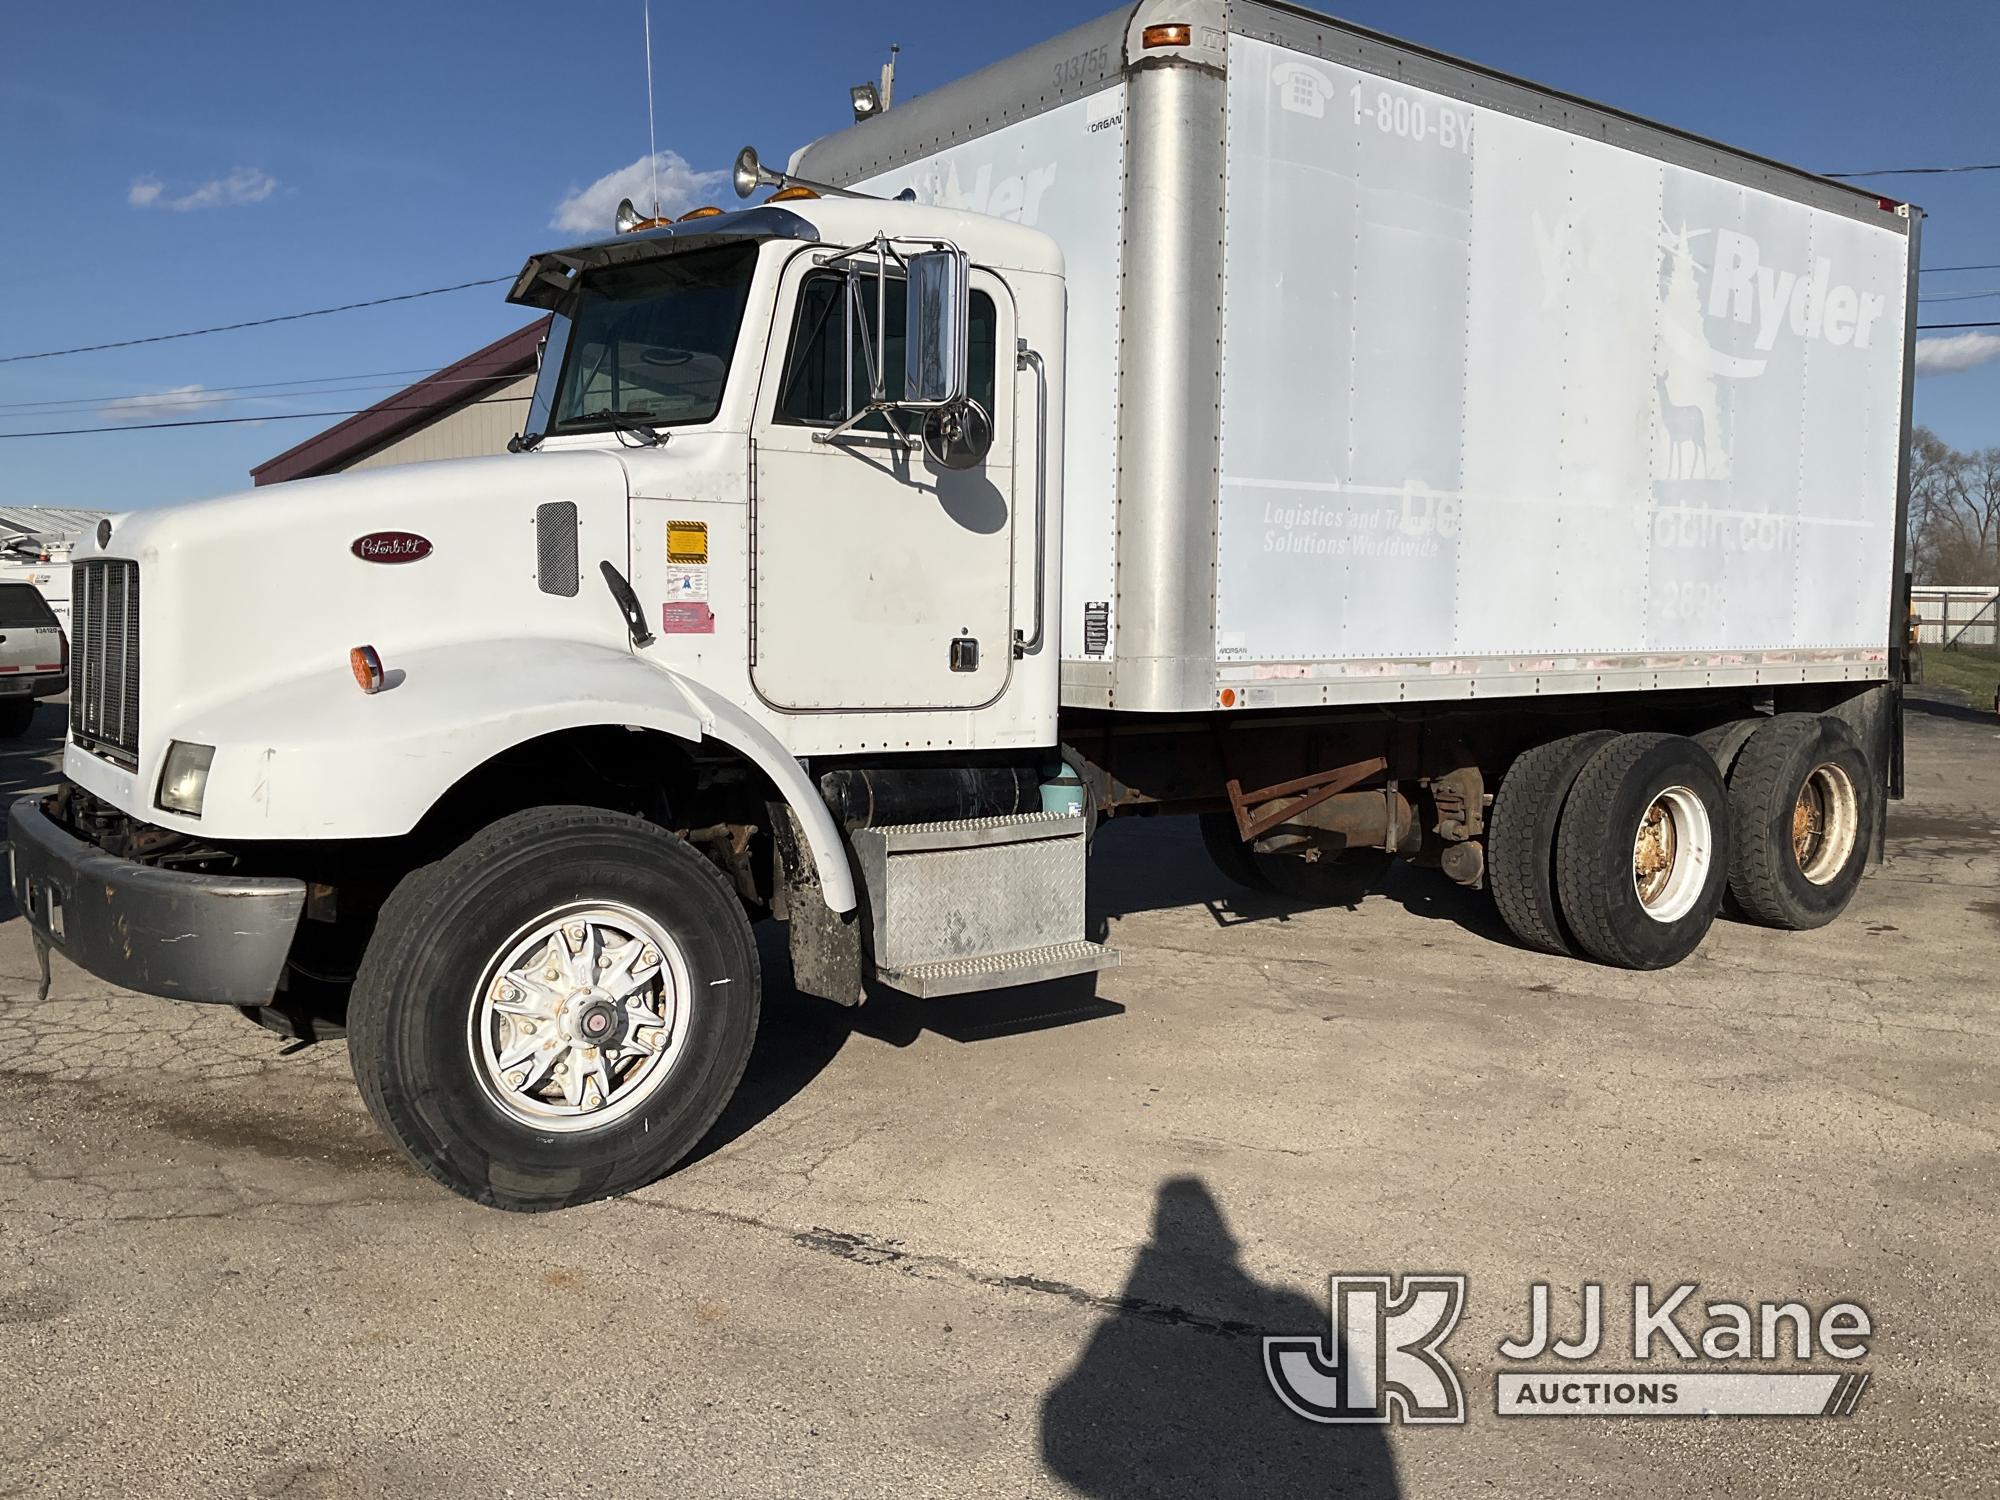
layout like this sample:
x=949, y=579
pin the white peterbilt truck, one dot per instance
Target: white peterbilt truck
x=1215, y=410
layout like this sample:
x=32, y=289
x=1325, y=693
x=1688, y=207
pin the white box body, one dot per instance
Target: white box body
x=1393, y=379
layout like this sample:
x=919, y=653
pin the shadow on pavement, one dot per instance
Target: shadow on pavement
x=1166, y=1401
x=28, y=765
x=798, y=1036
x=1155, y=863
x=1934, y=705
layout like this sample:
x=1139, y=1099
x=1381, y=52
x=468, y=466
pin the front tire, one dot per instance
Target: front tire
x=557, y=1011
x=1803, y=803
x=17, y=716
x=1642, y=854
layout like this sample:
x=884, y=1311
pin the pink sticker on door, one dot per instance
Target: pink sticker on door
x=686, y=619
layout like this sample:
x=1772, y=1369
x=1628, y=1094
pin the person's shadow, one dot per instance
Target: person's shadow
x=1170, y=1396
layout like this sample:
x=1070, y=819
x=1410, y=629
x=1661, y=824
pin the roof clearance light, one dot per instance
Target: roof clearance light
x=1175, y=35
x=706, y=211
x=366, y=663
x=791, y=194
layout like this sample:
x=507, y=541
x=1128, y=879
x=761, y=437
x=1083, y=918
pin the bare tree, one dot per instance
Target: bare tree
x=1954, y=512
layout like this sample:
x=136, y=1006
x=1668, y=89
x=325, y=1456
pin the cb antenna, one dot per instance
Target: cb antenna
x=652, y=140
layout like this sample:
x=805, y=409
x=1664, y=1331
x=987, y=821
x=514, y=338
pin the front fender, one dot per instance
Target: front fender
x=315, y=758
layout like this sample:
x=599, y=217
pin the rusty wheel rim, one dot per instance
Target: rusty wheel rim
x=1672, y=852
x=1826, y=822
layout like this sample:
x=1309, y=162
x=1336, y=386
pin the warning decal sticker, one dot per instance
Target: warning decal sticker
x=687, y=541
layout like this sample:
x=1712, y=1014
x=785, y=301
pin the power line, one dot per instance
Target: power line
x=1989, y=266
x=289, y=416
x=1991, y=324
x=317, y=312
x=1991, y=166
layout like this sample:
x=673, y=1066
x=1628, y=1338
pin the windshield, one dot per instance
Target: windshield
x=651, y=342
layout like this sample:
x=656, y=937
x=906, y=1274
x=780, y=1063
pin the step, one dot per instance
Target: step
x=955, y=905
x=976, y=833
x=957, y=976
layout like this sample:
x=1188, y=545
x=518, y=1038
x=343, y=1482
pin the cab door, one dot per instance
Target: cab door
x=880, y=581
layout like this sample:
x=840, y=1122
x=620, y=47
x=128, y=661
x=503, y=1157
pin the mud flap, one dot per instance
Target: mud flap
x=826, y=944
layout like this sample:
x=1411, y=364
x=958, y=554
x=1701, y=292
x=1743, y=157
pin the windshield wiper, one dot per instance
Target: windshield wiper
x=623, y=422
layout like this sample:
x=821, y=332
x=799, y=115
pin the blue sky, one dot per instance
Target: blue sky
x=168, y=167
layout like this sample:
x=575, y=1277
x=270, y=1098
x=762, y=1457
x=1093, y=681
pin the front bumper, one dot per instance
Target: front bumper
x=219, y=939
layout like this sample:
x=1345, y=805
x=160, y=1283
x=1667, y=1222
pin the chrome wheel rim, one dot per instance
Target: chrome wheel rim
x=580, y=1016
x=1672, y=851
x=1825, y=823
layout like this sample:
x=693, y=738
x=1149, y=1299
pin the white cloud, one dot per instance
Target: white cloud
x=243, y=185
x=1962, y=351
x=590, y=210
x=160, y=406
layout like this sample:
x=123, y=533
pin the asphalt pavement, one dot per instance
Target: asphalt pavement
x=1028, y=1244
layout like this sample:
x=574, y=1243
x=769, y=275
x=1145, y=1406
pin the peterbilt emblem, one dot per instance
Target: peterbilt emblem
x=392, y=547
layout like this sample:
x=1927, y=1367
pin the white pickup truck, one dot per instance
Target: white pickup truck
x=1217, y=410
x=34, y=656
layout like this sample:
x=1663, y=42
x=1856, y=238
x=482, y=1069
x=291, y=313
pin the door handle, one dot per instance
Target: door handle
x=1024, y=359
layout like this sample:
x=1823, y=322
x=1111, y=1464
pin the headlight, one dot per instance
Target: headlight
x=184, y=777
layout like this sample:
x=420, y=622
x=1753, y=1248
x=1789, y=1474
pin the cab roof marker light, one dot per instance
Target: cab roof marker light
x=706, y=211
x=366, y=664
x=1174, y=34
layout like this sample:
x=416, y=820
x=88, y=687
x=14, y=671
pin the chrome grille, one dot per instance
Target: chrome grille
x=104, y=657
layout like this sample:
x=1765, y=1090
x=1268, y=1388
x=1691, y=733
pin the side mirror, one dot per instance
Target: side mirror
x=958, y=436
x=935, y=341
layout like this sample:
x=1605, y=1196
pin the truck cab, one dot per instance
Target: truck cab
x=753, y=619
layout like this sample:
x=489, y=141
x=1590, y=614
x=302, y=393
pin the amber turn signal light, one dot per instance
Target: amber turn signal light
x=367, y=664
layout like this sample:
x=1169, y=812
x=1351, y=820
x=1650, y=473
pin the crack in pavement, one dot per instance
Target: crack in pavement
x=868, y=1250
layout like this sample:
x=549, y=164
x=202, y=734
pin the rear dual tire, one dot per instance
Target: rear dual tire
x=1521, y=839
x=1610, y=846
x=1803, y=807
x=1642, y=851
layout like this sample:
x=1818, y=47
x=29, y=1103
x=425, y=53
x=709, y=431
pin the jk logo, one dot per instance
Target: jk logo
x=1381, y=1354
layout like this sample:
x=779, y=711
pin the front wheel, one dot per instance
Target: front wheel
x=556, y=1011
x=17, y=716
